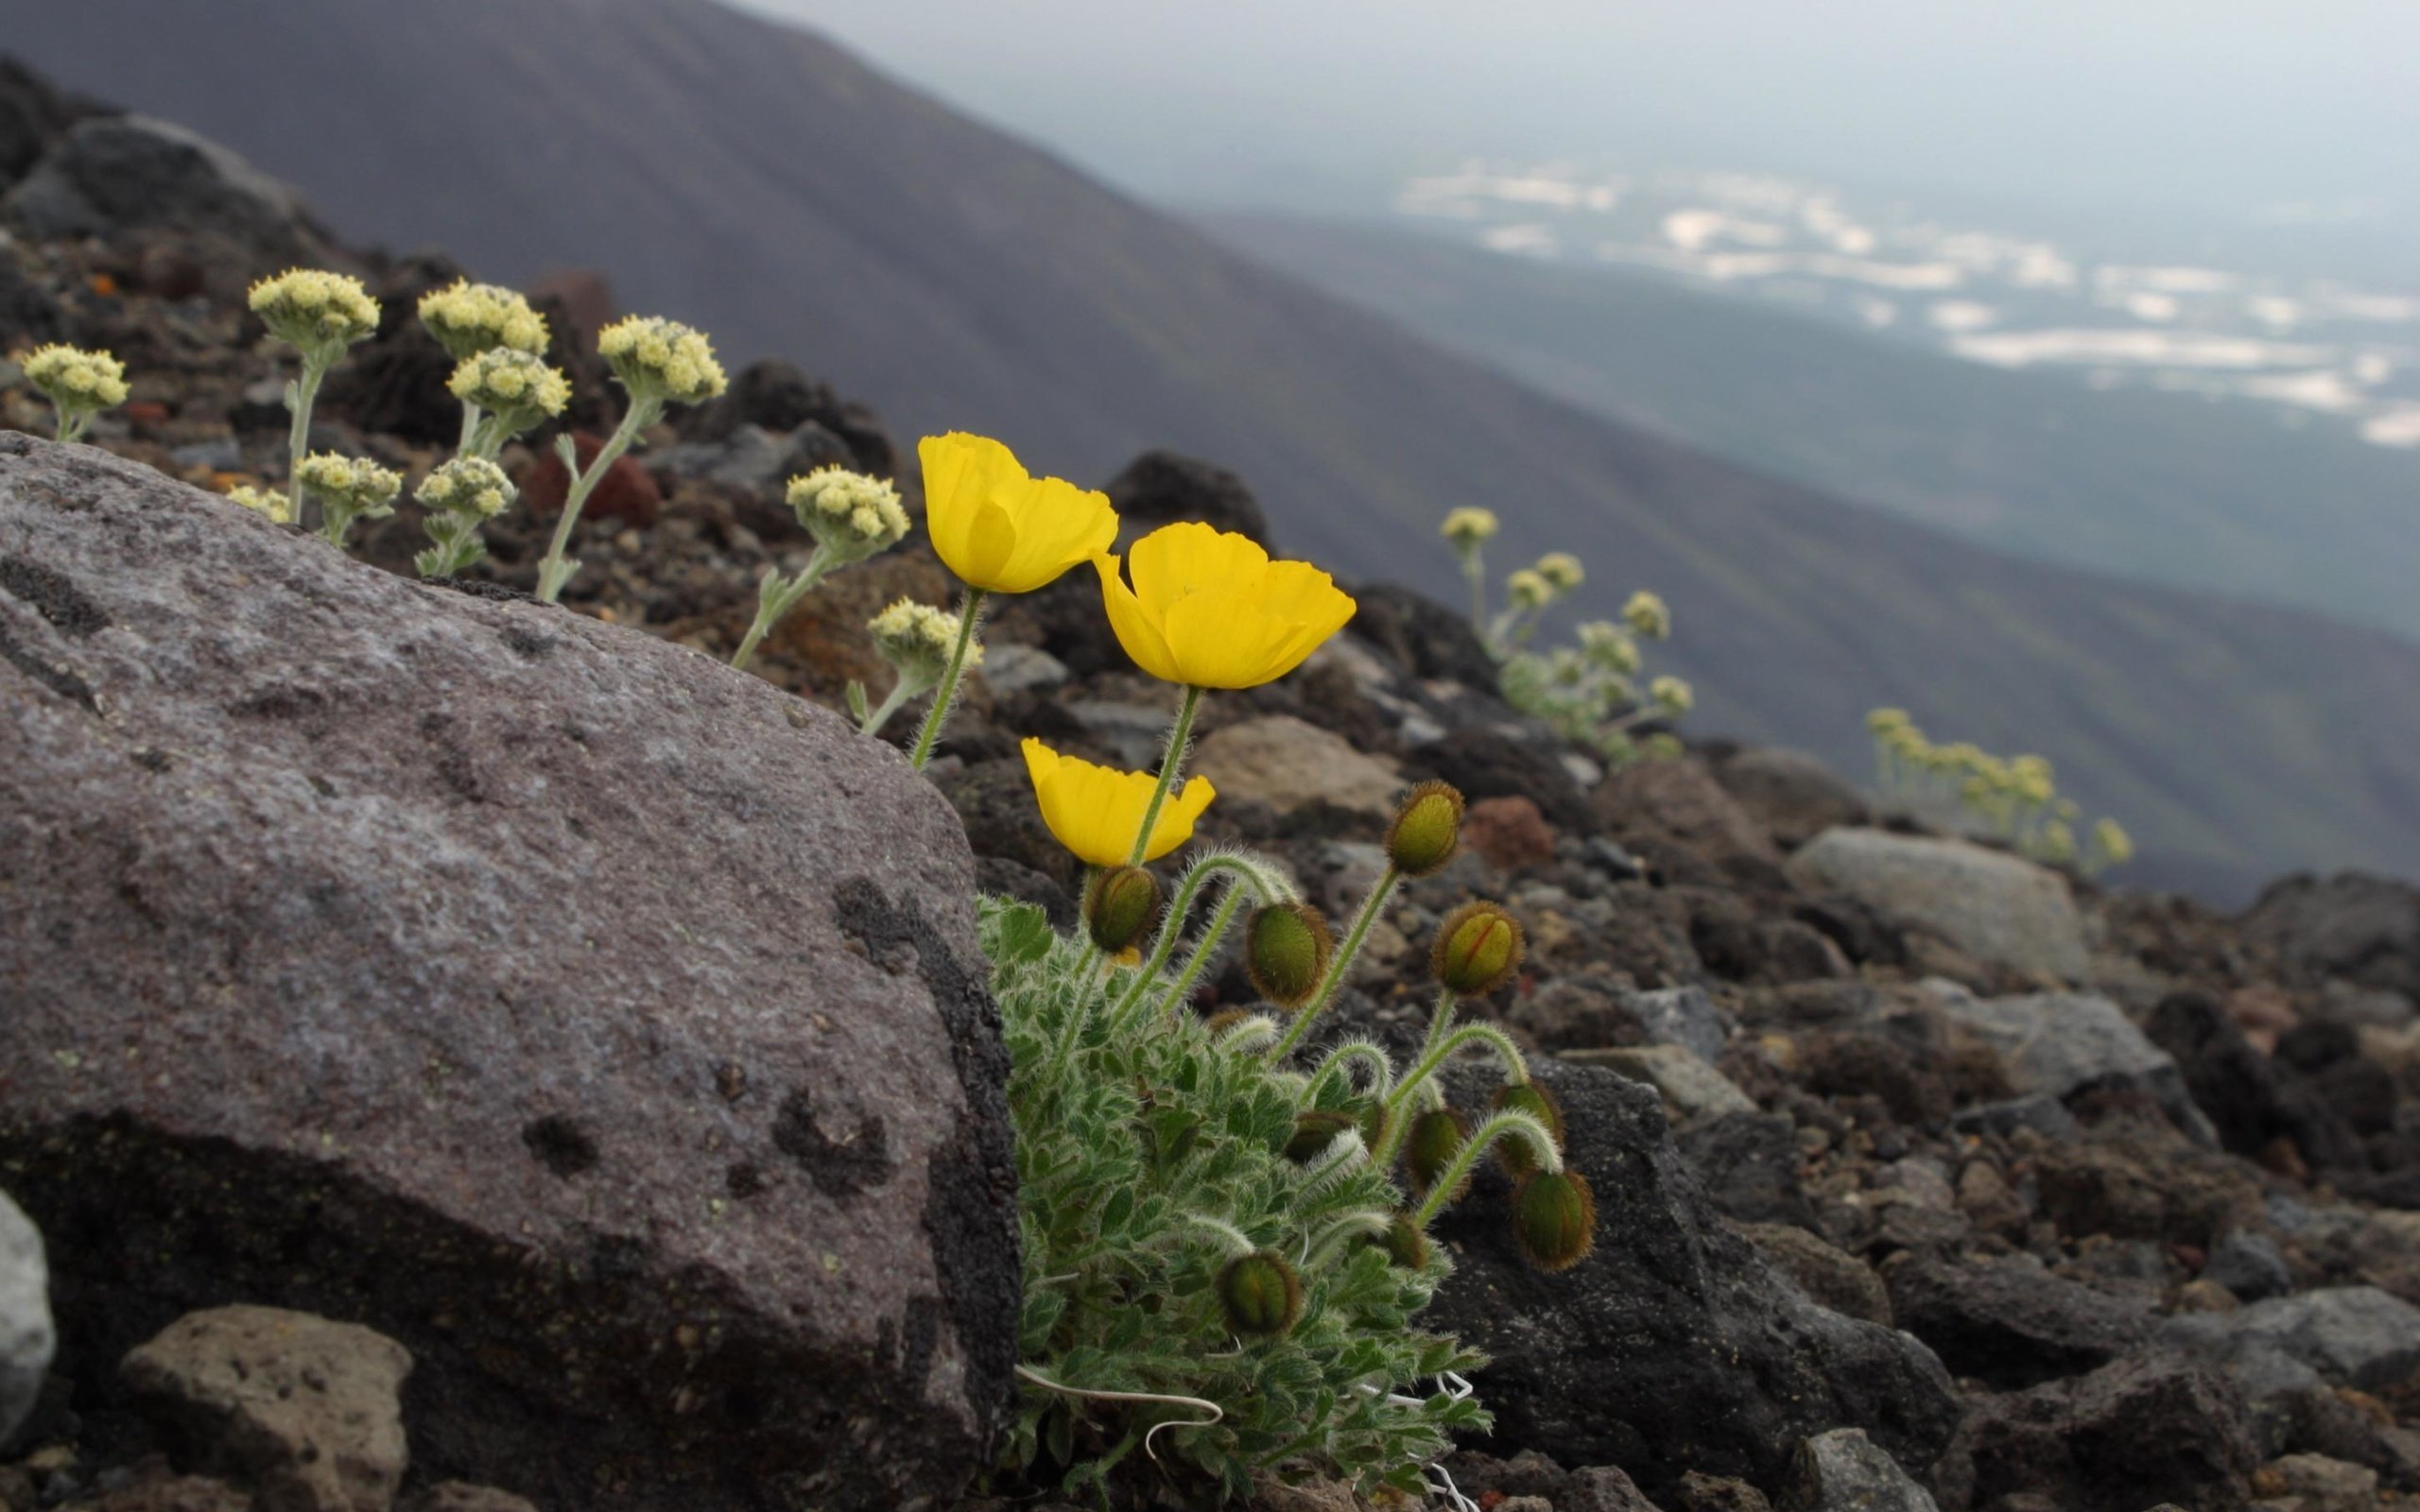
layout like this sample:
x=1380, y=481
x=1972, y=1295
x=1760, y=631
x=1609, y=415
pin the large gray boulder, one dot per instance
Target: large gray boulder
x=116, y=174
x=604, y=1027
x=2000, y=909
x=26, y=1339
x=1674, y=1346
x=2057, y=1044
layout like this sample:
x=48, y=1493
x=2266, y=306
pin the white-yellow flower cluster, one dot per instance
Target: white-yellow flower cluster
x=1646, y=613
x=1469, y=527
x=1562, y=571
x=1529, y=588
x=1609, y=646
x=1672, y=694
x=917, y=638
x=661, y=359
x=470, y=486
x=316, y=311
x=351, y=484
x=75, y=380
x=269, y=501
x=468, y=319
x=506, y=381
x=852, y=515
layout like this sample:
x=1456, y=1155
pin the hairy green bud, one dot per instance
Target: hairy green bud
x=1430, y=1146
x=1260, y=1295
x=1316, y=1131
x=1406, y=1244
x=1512, y=1152
x=1554, y=1219
x=1478, y=950
x=1121, y=906
x=1285, y=952
x=1426, y=830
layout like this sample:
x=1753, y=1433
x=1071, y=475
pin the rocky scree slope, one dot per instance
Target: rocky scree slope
x=760, y=182
x=1985, y=1180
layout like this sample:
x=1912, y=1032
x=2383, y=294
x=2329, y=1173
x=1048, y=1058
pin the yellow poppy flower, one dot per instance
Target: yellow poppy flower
x=1209, y=610
x=1093, y=811
x=998, y=528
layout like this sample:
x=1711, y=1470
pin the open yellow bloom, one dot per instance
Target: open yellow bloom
x=1000, y=528
x=1209, y=610
x=1093, y=811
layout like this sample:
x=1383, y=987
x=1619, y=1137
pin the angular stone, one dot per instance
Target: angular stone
x=114, y=174
x=306, y=1411
x=1162, y=488
x=1843, y=1471
x=460, y=1496
x=1286, y=763
x=26, y=1337
x=2143, y=1429
x=1602, y=1489
x=2061, y=1044
x=2009, y=1322
x=1691, y=1085
x=1673, y=1346
x=2314, y=1483
x=1831, y=1276
x=2364, y=930
x=1676, y=815
x=1996, y=908
x=1794, y=795
x=1681, y=1016
x=2352, y=1336
x=605, y=1026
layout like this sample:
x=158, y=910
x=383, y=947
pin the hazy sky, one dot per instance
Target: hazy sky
x=2208, y=102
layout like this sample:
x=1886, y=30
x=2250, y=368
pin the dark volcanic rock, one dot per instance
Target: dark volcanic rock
x=2240, y=1089
x=780, y=396
x=1748, y=1165
x=1162, y=488
x=33, y=116
x=605, y=1027
x=114, y=174
x=2150, y=1428
x=2363, y=929
x=1486, y=764
x=1794, y=795
x=2010, y=1323
x=1676, y=816
x=1674, y=1346
x=1423, y=637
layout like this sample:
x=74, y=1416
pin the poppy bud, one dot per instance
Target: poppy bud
x=1224, y=1019
x=1406, y=1244
x=1427, y=828
x=1120, y=905
x=1479, y=947
x=1512, y=1152
x=1554, y=1219
x=1430, y=1146
x=1260, y=1295
x=1285, y=953
x=1315, y=1131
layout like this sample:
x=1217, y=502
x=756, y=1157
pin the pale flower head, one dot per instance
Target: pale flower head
x=351, y=484
x=511, y=384
x=1529, y=589
x=467, y=486
x=2111, y=839
x=1562, y=571
x=916, y=639
x=316, y=311
x=1646, y=613
x=661, y=359
x=1469, y=527
x=850, y=515
x=1610, y=647
x=468, y=319
x=77, y=381
x=272, y=503
x=1672, y=694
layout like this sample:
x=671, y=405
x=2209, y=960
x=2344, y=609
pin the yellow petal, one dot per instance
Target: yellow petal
x=1176, y=815
x=963, y=475
x=1188, y=556
x=1133, y=627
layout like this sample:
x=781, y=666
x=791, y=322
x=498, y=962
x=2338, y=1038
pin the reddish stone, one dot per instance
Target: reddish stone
x=1509, y=831
x=625, y=493
x=146, y=412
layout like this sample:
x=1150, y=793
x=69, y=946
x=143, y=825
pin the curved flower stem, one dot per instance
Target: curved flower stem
x=1440, y=1019
x=555, y=570
x=1264, y=881
x=297, y=435
x=470, y=429
x=1341, y=964
x=1178, y=736
x=1369, y=1221
x=1382, y=1079
x=1510, y=1121
x=1486, y=1034
x=901, y=691
x=775, y=600
x=1203, y=949
x=969, y=609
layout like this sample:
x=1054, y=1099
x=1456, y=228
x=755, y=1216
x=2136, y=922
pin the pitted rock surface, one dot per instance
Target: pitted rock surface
x=605, y=1026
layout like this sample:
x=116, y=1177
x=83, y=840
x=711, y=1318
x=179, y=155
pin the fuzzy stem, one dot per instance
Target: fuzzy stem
x=1381, y=1082
x=1203, y=949
x=555, y=570
x=880, y=713
x=1510, y=1121
x=297, y=435
x=1366, y=1221
x=1265, y=883
x=1179, y=735
x=1485, y=1034
x=470, y=428
x=1341, y=964
x=1475, y=569
x=776, y=599
x=969, y=610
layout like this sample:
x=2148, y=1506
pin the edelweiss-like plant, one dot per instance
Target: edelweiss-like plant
x=320, y=315
x=851, y=516
x=917, y=640
x=459, y=497
x=468, y=319
x=658, y=362
x=348, y=489
x=504, y=392
x=2014, y=799
x=78, y=384
x=273, y=503
x=1468, y=530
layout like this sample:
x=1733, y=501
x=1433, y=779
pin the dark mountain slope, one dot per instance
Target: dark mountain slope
x=757, y=180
